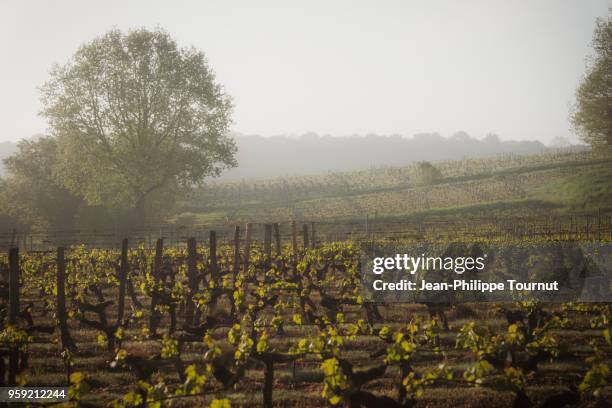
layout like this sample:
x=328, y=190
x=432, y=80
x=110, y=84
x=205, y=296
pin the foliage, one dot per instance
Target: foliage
x=33, y=191
x=336, y=383
x=135, y=115
x=427, y=173
x=592, y=118
x=275, y=313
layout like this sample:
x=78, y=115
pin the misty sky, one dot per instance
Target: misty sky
x=336, y=67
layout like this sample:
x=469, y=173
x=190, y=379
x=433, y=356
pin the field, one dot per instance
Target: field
x=246, y=324
x=272, y=314
x=553, y=179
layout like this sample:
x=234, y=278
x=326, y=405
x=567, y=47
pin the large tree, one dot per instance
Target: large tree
x=134, y=116
x=592, y=117
x=31, y=193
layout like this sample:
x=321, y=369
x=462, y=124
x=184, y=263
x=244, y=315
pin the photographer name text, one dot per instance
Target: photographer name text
x=464, y=285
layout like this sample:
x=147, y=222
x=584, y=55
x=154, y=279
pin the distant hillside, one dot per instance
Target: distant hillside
x=263, y=157
x=561, y=180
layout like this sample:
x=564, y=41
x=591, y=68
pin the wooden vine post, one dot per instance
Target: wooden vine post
x=212, y=241
x=268, y=246
x=313, y=242
x=588, y=227
x=236, y=264
x=155, y=317
x=62, y=316
x=268, y=383
x=278, y=248
x=294, y=244
x=247, y=249
x=13, y=285
x=123, y=276
x=13, y=312
x=277, y=239
x=577, y=231
x=599, y=224
x=269, y=360
x=305, y=236
x=192, y=277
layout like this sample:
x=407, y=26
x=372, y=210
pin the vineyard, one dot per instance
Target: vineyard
x=242, y=216
x=360, y=181
x=262, y=318
x=388, y=191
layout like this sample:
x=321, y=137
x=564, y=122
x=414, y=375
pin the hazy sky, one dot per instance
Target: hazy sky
x=335, y=67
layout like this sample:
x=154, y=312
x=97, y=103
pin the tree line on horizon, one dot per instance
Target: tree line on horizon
x=276, y=156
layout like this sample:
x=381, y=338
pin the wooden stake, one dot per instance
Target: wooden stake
x=599, y=224
x=587, y=227
x=213, y=255
x=13, y=285
x=236, y=264
x=154, y=316
x=247, y=248
x=123, y=271
x=62, y=316
x=313, y=243
x=277, y=239
x=268, y=245
x=294, y=242
x=305, y=236
x=192, y=277
x=13, y=312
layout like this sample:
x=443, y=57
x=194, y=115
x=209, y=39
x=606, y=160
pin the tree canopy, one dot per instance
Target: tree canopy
x=427, y=173
x=592, y=117
x=31, y=191
x=134, y=116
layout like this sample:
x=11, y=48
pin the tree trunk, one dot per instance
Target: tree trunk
x=140, y=210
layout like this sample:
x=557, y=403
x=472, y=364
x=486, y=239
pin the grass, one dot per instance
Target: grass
x=459, y=210
x=589, y=189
